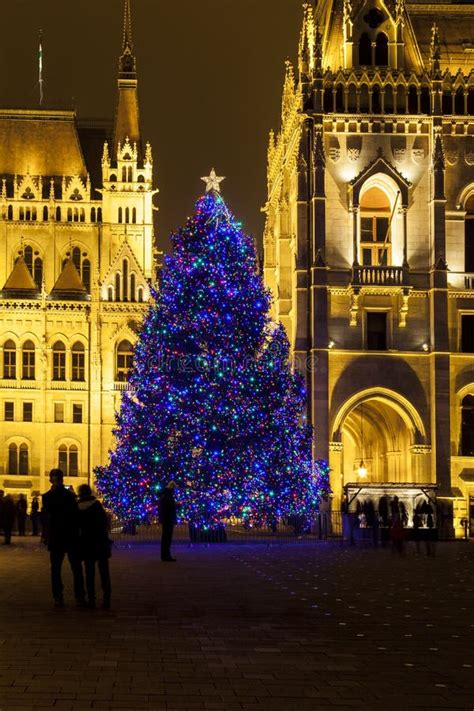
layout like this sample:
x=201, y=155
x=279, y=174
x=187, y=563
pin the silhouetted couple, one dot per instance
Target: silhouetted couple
x=78, y=530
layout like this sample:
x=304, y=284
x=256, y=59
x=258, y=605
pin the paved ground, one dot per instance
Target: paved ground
x=287, y=627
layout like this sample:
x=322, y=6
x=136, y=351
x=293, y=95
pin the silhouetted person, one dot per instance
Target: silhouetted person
x=60, y=520
x=167, y=516
x=21, y=511
x=35, y=516
x=94, y=544
x=7, y=518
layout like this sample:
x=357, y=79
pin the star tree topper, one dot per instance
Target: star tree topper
x=213, y=181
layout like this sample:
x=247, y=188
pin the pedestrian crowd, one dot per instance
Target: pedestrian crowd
x=77, y=528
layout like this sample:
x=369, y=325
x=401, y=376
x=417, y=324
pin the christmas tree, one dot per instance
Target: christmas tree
x=213, y=402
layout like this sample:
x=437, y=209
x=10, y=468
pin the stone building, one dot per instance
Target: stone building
x=76, y=261
x=369, y=241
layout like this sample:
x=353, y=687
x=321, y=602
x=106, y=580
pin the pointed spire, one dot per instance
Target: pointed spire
x=127, y=119
x=435, y=50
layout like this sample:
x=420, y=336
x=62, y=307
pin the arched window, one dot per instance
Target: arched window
x=82, y=215
x=365, y=50
x=124, y=361
x=127, y=215
x=117, y=287
x=134, y=215
x=83, y=266
x=412, y=100
x=22, y=213
x=352, y=99
x=120, y=215
x=470, y=104
x=141, y=178
x=78, y=362
x=130, y=174
x=388, y=99
x=364, y=99
x=381, y=50
x=113, y=178
x=18, y=460
x=469, y=236
x=28, y=361
x=69, y=214
x=447, y=103
x=467, y=426
x=45, y=213
x=140, y=294
x=328, y=100
x=58, y=214
x=459, y=101
x=33, y=214
x=124, y=174
x=110, y=294
x=93, y=214
x=376, y=107
x=375, y=237
x=10, y=212
x=99, y=214
x=401, y=99
x=28, y=257
x=125, y=279
x=34, y=264
x=339, y=98
x=9, y=360
x=68, y=460
x=59, y=361
x=132, y=287
x=425, y=100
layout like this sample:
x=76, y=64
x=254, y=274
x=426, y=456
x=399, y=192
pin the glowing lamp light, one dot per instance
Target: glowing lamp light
x=425, y=347
x=362, y=470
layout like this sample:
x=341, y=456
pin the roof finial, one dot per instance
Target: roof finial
x=127, y=59
x=127, y=26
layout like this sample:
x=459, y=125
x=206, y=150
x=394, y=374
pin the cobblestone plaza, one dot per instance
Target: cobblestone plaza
x=294, y=626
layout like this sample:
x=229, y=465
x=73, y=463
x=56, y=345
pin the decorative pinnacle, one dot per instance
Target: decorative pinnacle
x=213, y=181
x=127, y=27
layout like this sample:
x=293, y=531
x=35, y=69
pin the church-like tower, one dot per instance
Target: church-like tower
x=369, y=243
x=76, y=225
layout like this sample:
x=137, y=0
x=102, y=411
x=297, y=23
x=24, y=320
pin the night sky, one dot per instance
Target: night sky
x=210, y=80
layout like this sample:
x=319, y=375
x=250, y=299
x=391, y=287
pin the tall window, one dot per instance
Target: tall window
x=78, y=362
x=28, y=361
x=376, y=330
x=18, y=460
x=125, y=278
x=83, y=266
x=124, y=360
x=469, y=236
x=59, y=361
x=68, y=460
x=467, y=426
x=34, y=263
x=365, y=50
x=27, y=412
x=9, y=360
x=381, y=50
x=467, y=333
x=375, y=237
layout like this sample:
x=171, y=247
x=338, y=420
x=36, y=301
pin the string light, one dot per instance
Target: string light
x=214, y=404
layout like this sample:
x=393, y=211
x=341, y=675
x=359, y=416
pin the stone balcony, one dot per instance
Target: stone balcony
x=379, y=276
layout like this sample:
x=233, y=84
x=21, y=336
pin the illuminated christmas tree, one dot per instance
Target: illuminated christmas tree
x=213, y=403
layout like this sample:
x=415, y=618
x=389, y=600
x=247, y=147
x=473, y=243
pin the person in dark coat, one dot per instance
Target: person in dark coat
x=167, y=516
x=60, y=521
x=7, y=518
x=94, y=544
x=35, y=516
x=21, y=511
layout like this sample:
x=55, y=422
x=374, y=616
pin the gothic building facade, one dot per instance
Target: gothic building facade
x=369, y=242
x=76, y=262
